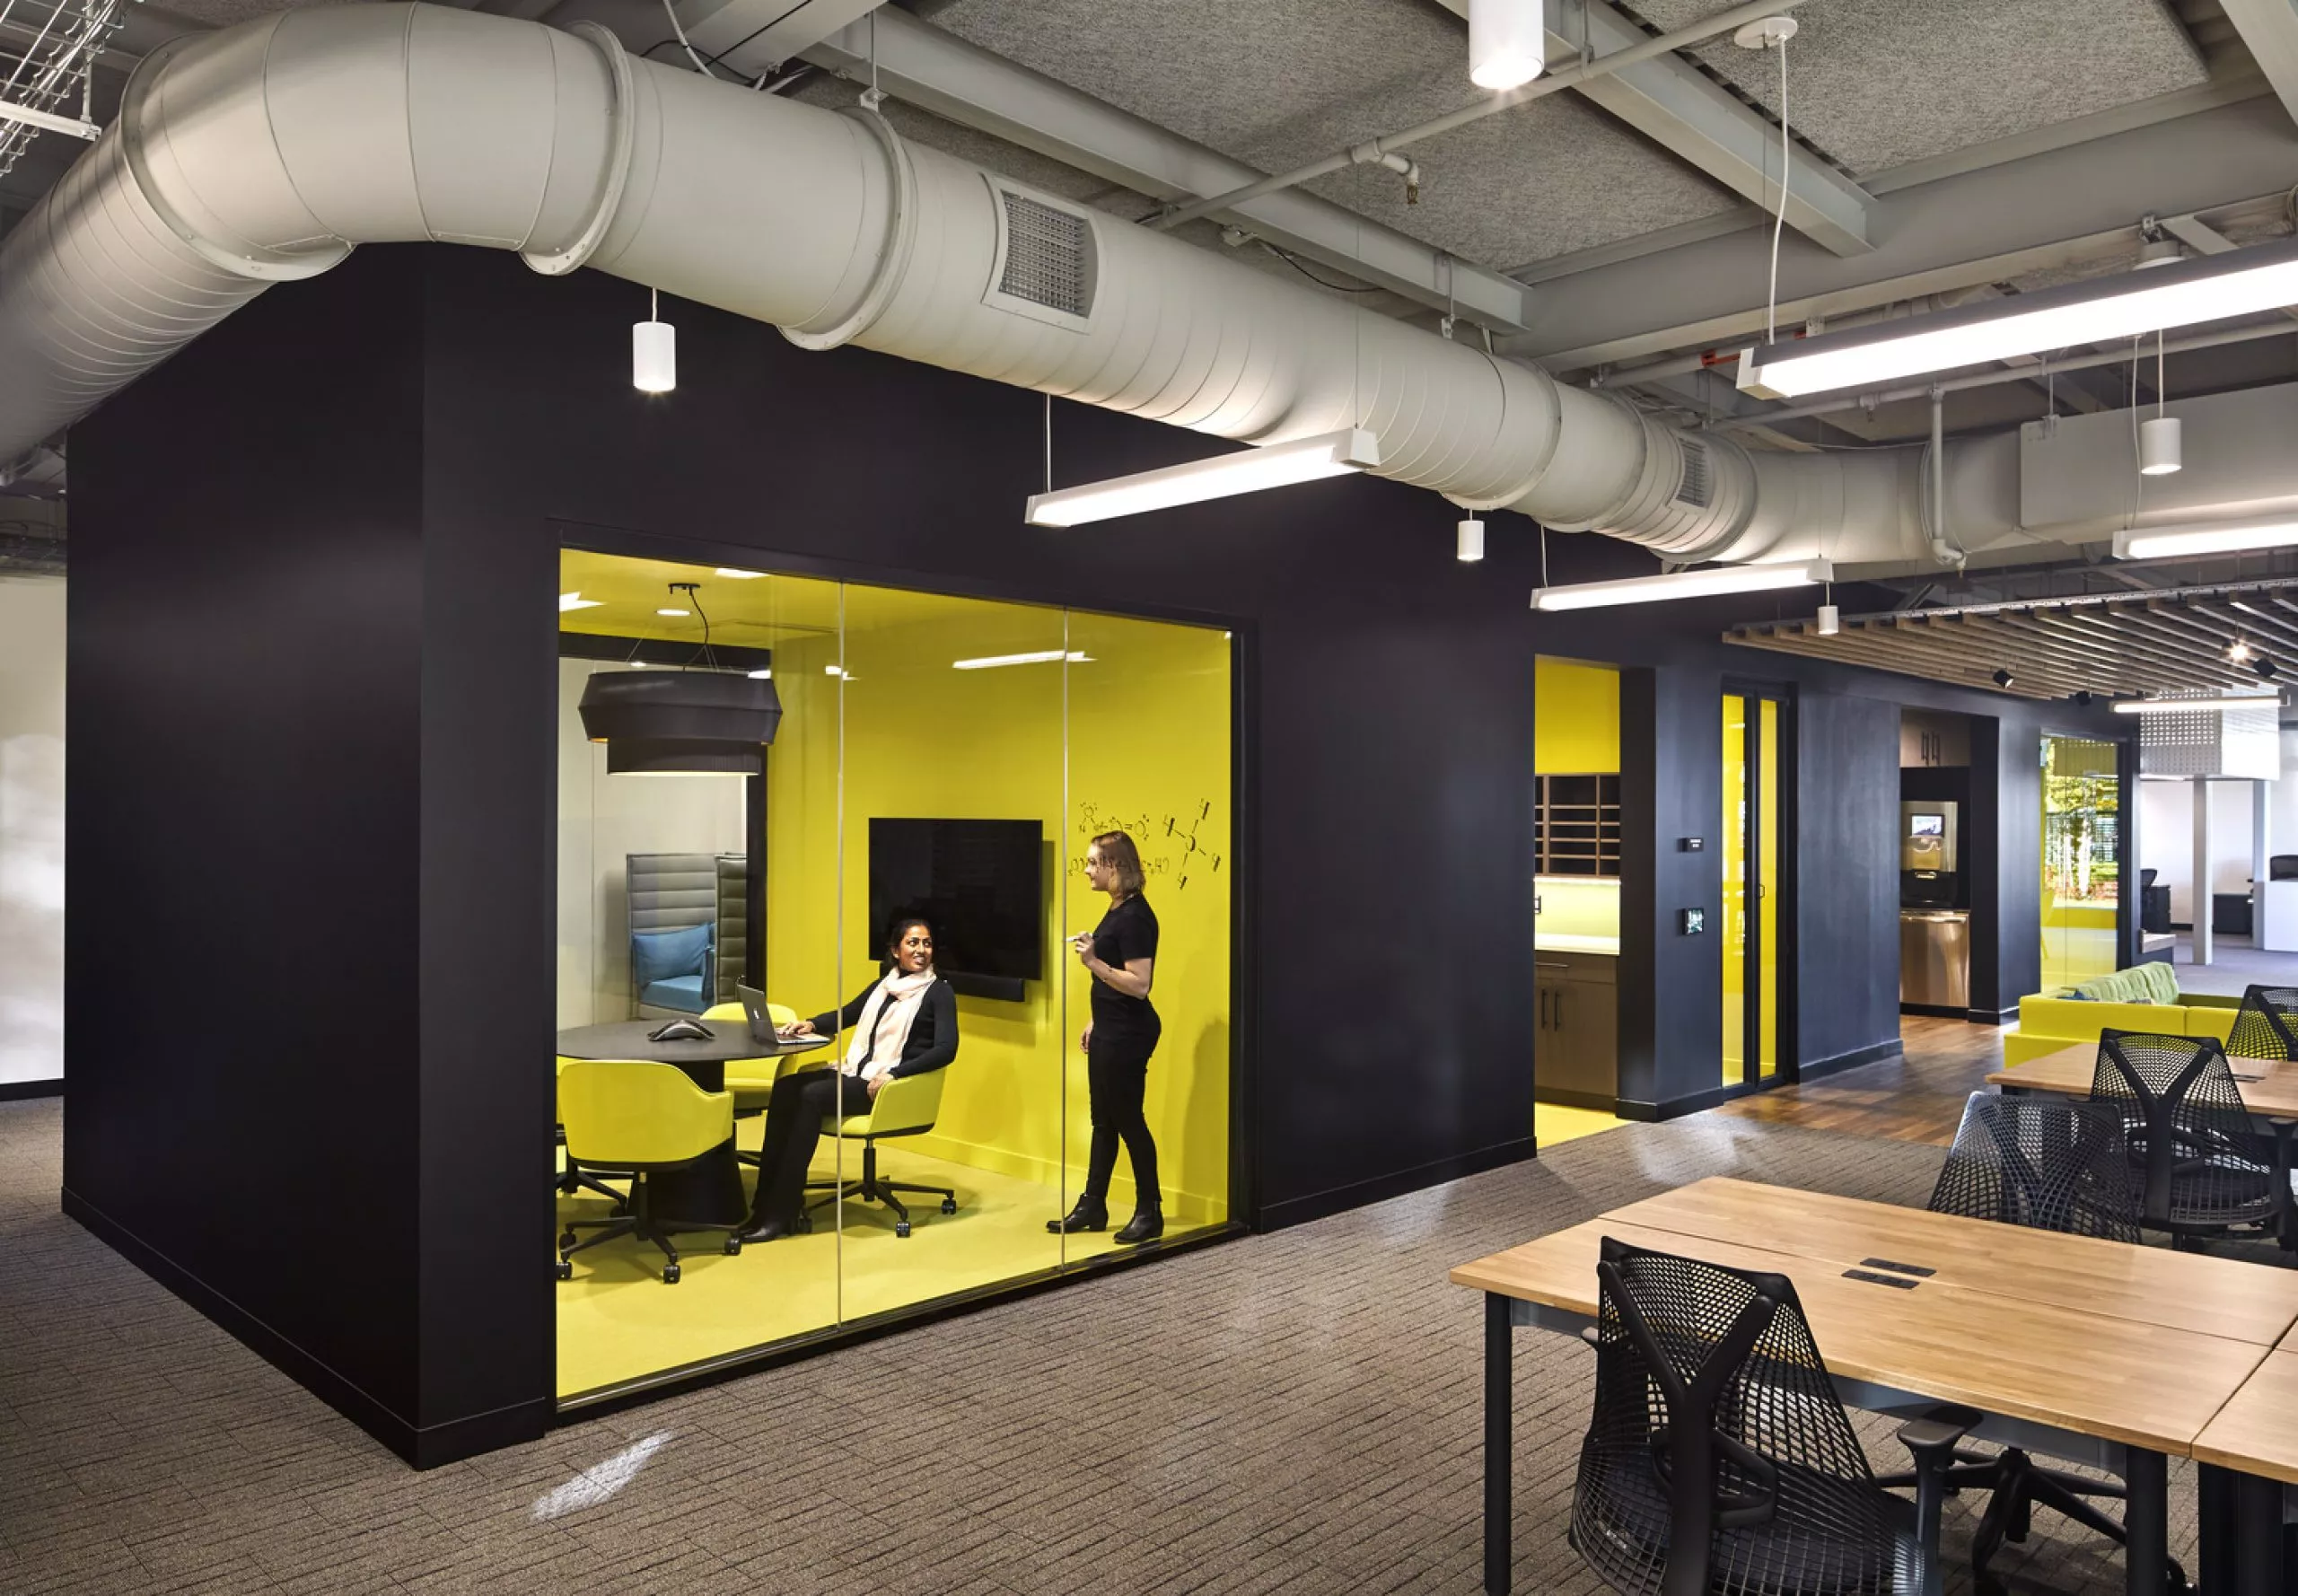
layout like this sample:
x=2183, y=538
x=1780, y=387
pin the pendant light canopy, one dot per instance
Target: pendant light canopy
x=660, y=722
x=1507, y=42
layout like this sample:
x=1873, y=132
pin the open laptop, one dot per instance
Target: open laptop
x=754, y=1006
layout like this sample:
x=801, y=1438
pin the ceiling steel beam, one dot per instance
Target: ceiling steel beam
x=2060, y=208
x=2270, y=28
x=767, y=31
x=940, y=73
x=1681, y=108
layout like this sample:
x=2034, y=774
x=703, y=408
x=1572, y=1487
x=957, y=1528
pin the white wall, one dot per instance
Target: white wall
x=602, y=819
x=32, y=829
x=2166, y=836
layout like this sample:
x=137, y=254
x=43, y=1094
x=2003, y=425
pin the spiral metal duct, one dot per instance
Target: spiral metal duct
x=268, y=150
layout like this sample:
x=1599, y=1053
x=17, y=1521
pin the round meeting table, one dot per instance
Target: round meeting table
x=709, y=1190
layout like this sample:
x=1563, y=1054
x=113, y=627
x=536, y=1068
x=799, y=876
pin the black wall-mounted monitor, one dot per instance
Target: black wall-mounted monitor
x=981, y=884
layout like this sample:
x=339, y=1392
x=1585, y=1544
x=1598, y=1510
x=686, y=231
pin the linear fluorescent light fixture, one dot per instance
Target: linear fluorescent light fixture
x=567, y=601
x=2197, y=706
x=2208, y=536
x=2237, y=282
x=1683, y=585
x=1046, y=657
x=1247, y=470
x=729, y=571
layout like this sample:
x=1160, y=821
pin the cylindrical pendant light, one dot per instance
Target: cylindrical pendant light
x=2158, y=446
x=1831, y=620
x=1507, y=42
x=664, y=721
x=653, y=353
x=1471, y=545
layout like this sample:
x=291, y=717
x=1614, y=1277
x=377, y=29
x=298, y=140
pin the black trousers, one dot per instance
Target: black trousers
x=794, y=1129
x=1117, y=1077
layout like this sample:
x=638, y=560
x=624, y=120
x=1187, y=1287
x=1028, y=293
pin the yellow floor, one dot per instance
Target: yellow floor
x=617, y=1321
x=1554, y=1123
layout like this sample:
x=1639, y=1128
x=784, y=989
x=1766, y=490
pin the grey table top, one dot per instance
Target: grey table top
x=627, y=1038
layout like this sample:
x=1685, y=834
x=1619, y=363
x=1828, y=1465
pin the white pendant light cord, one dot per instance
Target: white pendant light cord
x=1779, y=219
x=2159, y=400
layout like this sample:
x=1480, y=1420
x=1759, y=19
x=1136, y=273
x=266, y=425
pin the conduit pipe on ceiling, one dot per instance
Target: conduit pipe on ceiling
x=266, y=151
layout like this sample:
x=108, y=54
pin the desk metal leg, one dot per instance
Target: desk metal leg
x=2146, y=1523
x=1499, y=1451
x=2258, y=1538
x=2215, y=1490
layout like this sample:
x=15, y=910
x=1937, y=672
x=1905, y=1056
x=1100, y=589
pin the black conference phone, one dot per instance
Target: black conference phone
x=682, y=1030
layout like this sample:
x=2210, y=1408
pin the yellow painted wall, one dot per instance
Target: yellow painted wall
x=1575, y=732
x=1146, y=722
x=1575, y=717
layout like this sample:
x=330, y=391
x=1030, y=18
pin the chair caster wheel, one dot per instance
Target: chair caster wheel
x=949, y=1205
x=733, y=1247
x=565, y=1269
x=901, y=1227
x=567, y=1239
x=670, y=1274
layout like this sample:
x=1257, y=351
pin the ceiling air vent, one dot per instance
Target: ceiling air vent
x=1045, y=266
x=1693, y=489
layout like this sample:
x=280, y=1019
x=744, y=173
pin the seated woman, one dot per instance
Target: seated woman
x=904, y=1023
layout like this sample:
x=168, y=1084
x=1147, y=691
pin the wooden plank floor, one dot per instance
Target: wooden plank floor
x=1917, y=1097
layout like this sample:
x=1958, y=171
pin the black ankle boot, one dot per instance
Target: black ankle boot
x=1091, y=1214
x=1146, y=1225
x=765, y=1230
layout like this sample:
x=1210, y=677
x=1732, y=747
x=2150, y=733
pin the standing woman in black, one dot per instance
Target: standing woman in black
x=1121, y=956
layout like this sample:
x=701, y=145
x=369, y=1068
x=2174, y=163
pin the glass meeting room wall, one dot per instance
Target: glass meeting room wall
x=936, y=755
x=2081, y=885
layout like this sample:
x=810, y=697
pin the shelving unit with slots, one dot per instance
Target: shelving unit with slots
x=1576, y=826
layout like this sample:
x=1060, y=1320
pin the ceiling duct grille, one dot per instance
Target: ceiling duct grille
x=1047, y=259
x=1694, y=487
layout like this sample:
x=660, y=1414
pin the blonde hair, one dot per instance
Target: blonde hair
x=1119, y=852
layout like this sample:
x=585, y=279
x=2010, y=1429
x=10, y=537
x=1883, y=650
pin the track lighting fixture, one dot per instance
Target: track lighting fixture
x=2002, y=678
x=2238, y=652
x=2265, y=667
x=2083, y=700
x=1831, y=620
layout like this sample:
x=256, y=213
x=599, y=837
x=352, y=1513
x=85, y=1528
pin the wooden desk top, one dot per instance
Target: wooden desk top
x=2273, y=1095
x=2144, y=1385
x=2257, y=1432
x=2183, y=1291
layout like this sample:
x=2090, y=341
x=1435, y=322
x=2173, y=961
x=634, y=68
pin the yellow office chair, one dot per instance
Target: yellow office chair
x=643, y=1117
x=906, y=1107
x=572, y=1177
x=751, y=1080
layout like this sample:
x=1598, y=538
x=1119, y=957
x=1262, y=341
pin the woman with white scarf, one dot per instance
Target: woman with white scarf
x=903, y=1023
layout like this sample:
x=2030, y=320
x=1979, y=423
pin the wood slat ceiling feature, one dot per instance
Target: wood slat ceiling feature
x=2119, y=644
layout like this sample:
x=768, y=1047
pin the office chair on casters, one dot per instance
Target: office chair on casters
x=2046, y=1163
x=1719, y=1461
x=2200, y=1170
x=907, y=1106
x=572, y=1177
x=645, y=1117
x=2263, y=1024
x=751, y=1080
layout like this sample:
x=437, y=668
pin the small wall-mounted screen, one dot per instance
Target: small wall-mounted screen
x=1926, y=825
x=979, y=882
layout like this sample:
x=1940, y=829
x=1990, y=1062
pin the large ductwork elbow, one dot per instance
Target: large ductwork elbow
x=268, y=151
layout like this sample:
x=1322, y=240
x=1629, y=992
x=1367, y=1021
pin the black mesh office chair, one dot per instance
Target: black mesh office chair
x=2263, y=1025
x=1719, y=1461
x=2201, y=1169
x=2047, y=1164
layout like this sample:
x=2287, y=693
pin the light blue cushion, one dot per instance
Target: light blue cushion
x=661, y=955
x=683, y=992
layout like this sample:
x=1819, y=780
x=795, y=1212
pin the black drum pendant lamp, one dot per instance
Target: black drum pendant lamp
x=659, y=722
x=689, y=722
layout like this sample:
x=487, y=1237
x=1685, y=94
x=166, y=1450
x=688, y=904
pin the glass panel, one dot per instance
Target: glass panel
x=952, y=811
x=1149, y=755
x=1734, y=1017
x=2081, y=886
x=684, y=840
x=1768, y=885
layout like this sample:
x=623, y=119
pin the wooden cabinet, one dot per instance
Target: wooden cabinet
x=1575, y=1053
x=1930, y=738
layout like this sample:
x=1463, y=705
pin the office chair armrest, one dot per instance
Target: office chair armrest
x=1937, y=1433
x=907, y=1102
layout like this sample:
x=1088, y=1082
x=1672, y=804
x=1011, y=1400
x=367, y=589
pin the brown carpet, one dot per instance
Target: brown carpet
x=1297, y=1412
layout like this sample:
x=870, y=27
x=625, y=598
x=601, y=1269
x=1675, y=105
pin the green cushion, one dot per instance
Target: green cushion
x=2141, y=983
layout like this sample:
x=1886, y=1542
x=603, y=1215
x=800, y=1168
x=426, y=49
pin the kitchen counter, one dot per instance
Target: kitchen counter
x=1567, y=942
